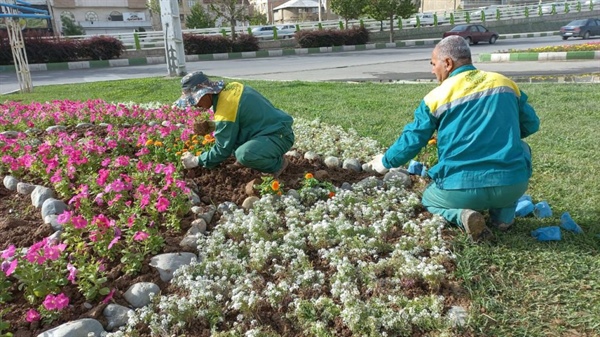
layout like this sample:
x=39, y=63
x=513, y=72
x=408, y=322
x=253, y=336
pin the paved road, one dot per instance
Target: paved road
x=398, y=64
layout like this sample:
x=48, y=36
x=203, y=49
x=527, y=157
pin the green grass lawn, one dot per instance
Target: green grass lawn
x=518, y=286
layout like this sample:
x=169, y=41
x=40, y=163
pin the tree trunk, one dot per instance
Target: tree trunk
x=232, y=22
x=392, y=28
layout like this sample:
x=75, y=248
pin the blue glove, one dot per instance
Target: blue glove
x=524, y=207
x=415, y=167
x=542, y=210
x=424, y=171
x=566, y=222
x=525, y=197
x=551, y=233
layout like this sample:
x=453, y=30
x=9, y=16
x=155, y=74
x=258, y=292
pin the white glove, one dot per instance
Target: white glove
x=376, y=164
x=189, y=160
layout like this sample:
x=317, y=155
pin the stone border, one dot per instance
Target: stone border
x=137, y=61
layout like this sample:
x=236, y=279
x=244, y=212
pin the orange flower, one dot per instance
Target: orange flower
x=158, y=143
x=432, y=141
x=149, y=142
x=331, y=194
x=208, y=139
x=275, y=185
x=198, y=153
x=308, y=176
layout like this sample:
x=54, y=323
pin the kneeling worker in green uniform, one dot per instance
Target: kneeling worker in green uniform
x=245, y=124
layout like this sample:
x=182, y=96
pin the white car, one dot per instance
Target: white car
x=267, y=32
x=427, y=19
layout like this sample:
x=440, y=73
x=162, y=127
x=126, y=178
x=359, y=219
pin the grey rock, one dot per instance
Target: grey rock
x=346, y=186
x=249, y=202
x=168, y=263
x=82, y=327
x=56, y=128
x=397, y=178
x=10, y=183
x=205, y=212
x=152, y=123
x=138, y=294
x=293, y=193
x=10, y=134
x=311, y=155
x=55, y=237
x=226, y=207
x=116, y=315
x=332, y=162
x=194, y=198
x=25, y=188
x=53, y=206
x=52, y=220
x=190, y=240
x=40, y=194
x=352, y=164
x=83, y=125
x=457, y=316
x=369, y=182
x=104, y=125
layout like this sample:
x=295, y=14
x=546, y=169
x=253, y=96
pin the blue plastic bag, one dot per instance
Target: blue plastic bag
x=415, y=167
x=542, y=210
x=551, y=233
x=525, y=197
x=524, y=207
x=566, y=222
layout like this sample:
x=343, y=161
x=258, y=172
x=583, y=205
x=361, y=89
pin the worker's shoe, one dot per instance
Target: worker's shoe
x=503, y=227
x=474, y=224
x=284, y=165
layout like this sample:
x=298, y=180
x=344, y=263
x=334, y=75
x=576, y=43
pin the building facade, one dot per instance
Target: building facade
x=101, y=17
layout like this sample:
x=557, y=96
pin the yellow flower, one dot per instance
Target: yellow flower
x=432, y=141
x=198, y=153
x=149, y=142
x=158, y=143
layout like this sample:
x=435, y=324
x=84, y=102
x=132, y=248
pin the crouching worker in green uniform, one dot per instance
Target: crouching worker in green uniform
x=245, y=124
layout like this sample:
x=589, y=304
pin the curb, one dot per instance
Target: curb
x=500, y=57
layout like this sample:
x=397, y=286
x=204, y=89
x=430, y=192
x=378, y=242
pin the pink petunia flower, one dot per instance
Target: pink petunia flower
x=140, y=236
x=9, y=267
x=32, y=316
x=9, y=252
x=72, y=273
x=162, y=204
x=109, y=296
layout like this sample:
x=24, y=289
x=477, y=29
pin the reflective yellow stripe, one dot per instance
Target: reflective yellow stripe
x=468, y=83
x=228, y=103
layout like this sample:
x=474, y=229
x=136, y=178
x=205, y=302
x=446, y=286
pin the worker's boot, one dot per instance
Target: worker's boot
x=474, y=224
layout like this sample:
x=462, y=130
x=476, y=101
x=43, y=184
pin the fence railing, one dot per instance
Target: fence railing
x=155, y=39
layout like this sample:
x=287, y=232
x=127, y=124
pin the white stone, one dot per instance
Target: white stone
x=83, y=327
x=138, y=294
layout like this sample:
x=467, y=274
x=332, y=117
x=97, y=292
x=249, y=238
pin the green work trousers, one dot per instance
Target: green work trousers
x=500, y=201
x=265, y=153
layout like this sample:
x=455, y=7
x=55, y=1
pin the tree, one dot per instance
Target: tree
x=257, y=18
x=348, y=9
x=199, y=18
x=154, y=6
x=230, y=10
x=69, y=27
x=388, y=9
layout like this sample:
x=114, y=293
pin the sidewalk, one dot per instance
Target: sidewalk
x=503, y=57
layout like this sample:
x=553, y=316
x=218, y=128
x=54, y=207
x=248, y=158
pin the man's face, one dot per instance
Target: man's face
x=205, y=101
x=441, y=68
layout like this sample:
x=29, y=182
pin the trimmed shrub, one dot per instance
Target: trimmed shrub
x=245, y=42
x=332, y=37
x=194, y=44
x=102, y=48
x=48, y=49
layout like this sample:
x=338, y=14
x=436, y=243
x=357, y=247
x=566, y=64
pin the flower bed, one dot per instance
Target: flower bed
x=362, y=261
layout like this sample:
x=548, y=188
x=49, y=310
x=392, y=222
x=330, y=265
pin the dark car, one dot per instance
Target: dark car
x=474, y=33
x=580, y=28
